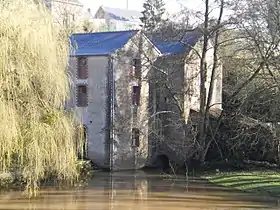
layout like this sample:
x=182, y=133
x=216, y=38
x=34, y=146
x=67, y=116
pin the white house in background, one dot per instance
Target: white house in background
x=115, y=19
x=66, y=12
x=110, y=95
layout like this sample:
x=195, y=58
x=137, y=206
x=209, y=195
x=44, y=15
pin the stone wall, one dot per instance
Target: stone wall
x=177, y=92
x=126, y=115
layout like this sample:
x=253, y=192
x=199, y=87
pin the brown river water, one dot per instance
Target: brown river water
x=139, y=191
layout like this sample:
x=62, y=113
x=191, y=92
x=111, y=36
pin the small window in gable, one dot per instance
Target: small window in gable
x=136, y=95
x=136, y=62
x=82, y=96
x=82, y=72
x=135, y=137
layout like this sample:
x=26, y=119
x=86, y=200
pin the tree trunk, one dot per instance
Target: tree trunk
x=203, y=74
x=212, y=80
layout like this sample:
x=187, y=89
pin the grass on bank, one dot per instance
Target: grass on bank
x=37, y=137
x=264, y=182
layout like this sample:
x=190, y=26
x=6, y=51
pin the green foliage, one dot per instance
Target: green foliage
x=6, y=180
x=152, y=14
x=36, y=135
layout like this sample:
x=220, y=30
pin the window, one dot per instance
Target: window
x=135, y=137
x=65, y=21
x=65, y=17
x=136, y=62
x=194, y=129
x=82, y=98
x=136, y=95
x=132, y=72
x=82, y=68
x=136, y=67
x=166, y=100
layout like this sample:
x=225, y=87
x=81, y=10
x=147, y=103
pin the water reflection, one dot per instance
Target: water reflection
x=140, y=191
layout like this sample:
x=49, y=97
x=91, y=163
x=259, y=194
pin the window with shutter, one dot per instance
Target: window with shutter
x=136, y=67
x=82, y=72
x=82, y=96
x=135, y=137
x=136, y=62
x=136, y=95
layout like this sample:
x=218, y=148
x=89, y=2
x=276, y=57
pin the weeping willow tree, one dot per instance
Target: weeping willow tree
x=36, y=135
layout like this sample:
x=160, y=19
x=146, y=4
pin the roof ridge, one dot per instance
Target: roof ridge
x=178, y=46
x=101, y=43
x=105, y=32
x=120, y=8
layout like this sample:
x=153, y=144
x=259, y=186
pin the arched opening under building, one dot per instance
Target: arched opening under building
x=84, y=153
x=163, y=162
x=85, y=145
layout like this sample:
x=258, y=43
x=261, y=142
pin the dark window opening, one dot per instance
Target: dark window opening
x=136, y=62
x=135, y=137
x=65, y=21
x=136, y=95
x=82, y=97
x=66, y=18
x=82, y=68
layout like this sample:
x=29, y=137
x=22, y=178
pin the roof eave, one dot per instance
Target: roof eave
x=85, y=54
x=175, y=54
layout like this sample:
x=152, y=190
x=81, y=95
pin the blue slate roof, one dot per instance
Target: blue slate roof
x=183, y=45
x=103, y=43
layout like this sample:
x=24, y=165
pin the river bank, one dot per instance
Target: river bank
x=259, y=180
x=265, y=182
x=15, y=180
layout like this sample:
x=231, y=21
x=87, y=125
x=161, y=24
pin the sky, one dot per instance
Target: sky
x=173, y=6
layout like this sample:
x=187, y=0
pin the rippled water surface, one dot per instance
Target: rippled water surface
x=139, y=191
